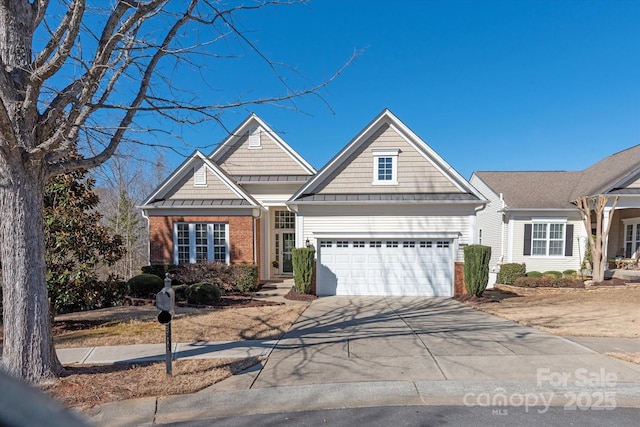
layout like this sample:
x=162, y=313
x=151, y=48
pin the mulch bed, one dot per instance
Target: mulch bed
x=295, y=296
x=611, y=282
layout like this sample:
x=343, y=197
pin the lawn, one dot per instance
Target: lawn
x=86, y=386
x=596, y=312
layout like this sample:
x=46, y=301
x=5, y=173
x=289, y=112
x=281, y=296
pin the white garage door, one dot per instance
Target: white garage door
x=385, y=267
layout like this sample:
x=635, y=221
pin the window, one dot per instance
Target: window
x=392, y=244
x=358, y=244
x=407, y=244
x=442, y=244
x=375, y=244
x=285, y=220
x=342, y=244
x=195, y=242
x=326, y=243
x=254, y=138
x=426, y=244
x=480, y=236
x=631, y=236
x=385, y=167
x=547, y=239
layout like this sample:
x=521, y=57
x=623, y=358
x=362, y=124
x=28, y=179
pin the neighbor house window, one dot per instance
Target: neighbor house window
x=631, y=236
x=548, y=238
x=195, y=242
x=385, y=167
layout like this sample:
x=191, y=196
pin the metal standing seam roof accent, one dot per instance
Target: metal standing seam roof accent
x=196, y=203
x=248, y=179
x=392, y=197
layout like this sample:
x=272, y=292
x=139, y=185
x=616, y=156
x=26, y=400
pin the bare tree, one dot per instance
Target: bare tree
x=77, y=77
x=591, y=207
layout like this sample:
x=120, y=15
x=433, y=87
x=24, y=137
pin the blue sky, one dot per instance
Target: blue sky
x=489, y=85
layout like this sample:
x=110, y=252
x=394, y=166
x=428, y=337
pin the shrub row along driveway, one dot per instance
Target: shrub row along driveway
x=350, y=339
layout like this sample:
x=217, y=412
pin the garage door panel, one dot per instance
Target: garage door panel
x=419, y=268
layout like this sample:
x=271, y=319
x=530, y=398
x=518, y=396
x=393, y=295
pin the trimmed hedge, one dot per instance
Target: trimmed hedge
x=303, y=260
x=569, y=273
x=552, y=273
x=510, y=272
x=217, y=273
x=547, y=282
x=476, y=268
x=203, y=293
x=180, y=292
x=245, y=277
x=534, y=274
x=144, y=285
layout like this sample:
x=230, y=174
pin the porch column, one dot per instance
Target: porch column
x=606, y=216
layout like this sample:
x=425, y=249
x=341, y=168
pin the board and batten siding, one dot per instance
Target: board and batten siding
x=489, y=220
x=215, y=189
x=415, y=174
x=548, y=263
x=269, y=159
x=389, y=220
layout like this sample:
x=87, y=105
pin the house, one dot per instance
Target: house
x=531, y=217
x=387, y=215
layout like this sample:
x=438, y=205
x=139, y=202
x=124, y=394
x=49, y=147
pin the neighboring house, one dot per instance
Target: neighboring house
x=531, y=217
x=387, y=215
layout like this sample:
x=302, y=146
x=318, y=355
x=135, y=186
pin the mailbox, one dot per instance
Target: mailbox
x=165, y=301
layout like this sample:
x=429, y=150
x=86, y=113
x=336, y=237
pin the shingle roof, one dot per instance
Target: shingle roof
x=540, y=190
x=557, y=189
x=603, y=175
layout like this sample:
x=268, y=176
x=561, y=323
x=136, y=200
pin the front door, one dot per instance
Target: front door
x=285, y=241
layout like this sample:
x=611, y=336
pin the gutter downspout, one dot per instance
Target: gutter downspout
x=145, y=216
x=501, y=260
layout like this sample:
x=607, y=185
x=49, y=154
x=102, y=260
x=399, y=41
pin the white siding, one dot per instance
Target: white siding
x=489, y=220
x=387, y=219
x=547, y=263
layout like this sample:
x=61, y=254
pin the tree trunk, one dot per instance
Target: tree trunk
x=28, y=350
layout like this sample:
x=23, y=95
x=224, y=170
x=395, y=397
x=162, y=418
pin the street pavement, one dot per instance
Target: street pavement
x=357, y=352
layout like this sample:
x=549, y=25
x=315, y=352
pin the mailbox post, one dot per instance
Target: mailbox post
x=166, y=301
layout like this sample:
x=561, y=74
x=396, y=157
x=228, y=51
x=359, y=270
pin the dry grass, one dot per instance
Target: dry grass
x=237, y=324
x=602, y=312
x=87, y=386
x=629, y=357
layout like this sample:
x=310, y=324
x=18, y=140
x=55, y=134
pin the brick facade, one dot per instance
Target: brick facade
x=458, y=281
x=241, y=232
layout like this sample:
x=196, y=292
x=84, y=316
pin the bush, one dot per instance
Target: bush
x=303, y=261
x=245, y=277
x=510, y=272
x=569, y=273
x=547, y=282
x=180, y=292
x=534, y=274
x=144, y=285
x=217, y=273
x=159, y=270
x=552, y=273
x=203, y=293
x=476, y=269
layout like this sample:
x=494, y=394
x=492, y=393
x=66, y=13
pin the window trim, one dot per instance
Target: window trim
x=211, y=245
x=567, y=232
x=635, y=227
x=378, y=154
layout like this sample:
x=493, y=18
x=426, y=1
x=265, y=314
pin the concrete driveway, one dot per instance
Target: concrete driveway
x=354, y=339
